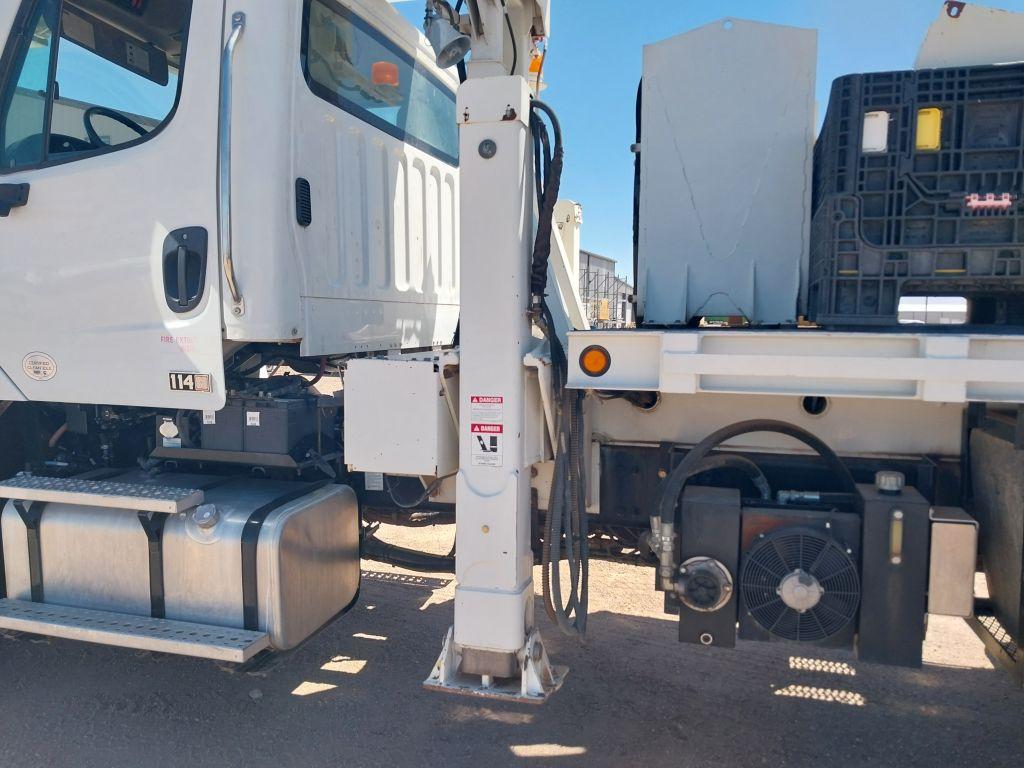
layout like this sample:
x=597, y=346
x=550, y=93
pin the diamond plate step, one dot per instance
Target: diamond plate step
x=138, y=632
x=102, y=493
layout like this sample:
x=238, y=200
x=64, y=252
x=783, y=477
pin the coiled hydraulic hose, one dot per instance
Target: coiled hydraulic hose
x=567, y=526
x=685, y=470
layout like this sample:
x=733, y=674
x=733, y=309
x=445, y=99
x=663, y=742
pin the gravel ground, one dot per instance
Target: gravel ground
x=634, y=696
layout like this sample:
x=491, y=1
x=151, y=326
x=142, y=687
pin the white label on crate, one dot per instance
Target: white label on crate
x=209, y=417
x=252, y=418
x=172, y=442
x=875, y=133
x=488, y=444
x=487, y=409
x=374, y=481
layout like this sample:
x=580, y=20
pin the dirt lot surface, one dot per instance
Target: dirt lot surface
x=352, y=697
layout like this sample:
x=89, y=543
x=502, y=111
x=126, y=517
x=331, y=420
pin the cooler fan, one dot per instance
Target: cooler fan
x=798, y=584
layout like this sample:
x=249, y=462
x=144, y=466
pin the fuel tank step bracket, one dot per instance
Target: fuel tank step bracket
x=137, y=497
x=138, y=632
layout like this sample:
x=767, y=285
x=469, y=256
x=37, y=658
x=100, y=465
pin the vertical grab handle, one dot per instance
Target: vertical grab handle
x=224, y=164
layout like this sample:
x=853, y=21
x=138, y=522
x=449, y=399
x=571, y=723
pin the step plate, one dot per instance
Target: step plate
x=138, y=497
x=139, y=632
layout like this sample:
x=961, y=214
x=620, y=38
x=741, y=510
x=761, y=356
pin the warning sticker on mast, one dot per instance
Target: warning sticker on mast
x=487, y=409
x=488, y=444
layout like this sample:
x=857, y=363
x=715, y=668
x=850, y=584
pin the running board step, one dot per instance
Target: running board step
x=138, y=497
x=139, y=632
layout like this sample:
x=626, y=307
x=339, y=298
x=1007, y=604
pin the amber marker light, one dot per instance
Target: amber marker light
x=595, y=361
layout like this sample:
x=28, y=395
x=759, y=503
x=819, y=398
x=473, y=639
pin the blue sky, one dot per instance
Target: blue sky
x=594, y=65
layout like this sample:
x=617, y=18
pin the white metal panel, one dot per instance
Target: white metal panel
x=267, y=72
x=7, y=389
x=81, y=266
x=397, y=420
x=382, y=272
x=851, y=426
x=953, y=562
x=378, y=267
x=932, y=367
x=971, y=35
x=727, y=143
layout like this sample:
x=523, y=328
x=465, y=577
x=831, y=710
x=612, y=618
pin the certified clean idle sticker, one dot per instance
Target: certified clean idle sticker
x=39, y=366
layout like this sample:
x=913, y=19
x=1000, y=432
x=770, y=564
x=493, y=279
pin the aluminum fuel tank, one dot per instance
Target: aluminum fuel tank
x=275, y=556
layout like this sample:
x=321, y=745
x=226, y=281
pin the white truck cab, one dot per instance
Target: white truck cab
x=153, y=215
x=189, y=192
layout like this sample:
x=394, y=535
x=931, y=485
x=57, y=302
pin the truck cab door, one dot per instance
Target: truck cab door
x=109, y=272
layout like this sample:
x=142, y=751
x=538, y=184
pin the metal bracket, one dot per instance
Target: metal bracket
x=537, y=681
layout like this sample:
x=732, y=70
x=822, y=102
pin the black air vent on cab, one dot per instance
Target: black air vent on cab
x=303, y=203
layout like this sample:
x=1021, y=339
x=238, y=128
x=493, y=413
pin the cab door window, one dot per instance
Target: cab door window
x=110, y=79
x=353, y=65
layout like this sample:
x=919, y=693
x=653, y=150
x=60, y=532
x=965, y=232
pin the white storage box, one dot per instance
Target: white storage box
x=398, y=420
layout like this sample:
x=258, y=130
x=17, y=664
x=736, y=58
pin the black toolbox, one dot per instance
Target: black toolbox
x=918, y=181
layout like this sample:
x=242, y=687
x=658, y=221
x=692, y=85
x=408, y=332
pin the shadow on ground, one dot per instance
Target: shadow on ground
x=634, y=697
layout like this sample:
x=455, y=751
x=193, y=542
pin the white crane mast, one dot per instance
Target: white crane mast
x=493, y=635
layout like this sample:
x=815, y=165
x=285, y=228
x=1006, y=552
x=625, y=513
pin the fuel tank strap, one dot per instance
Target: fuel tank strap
x=250, y=540
x=3, y=567
x=32, y=516
x=153, y=524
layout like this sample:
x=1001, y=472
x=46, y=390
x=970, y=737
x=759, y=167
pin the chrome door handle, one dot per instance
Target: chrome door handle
x=224, y=165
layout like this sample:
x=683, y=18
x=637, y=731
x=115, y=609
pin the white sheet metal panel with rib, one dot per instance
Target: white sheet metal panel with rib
x=728, y=132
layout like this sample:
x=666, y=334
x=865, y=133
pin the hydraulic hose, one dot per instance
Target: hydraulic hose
x=636, y=187
x=567, y=526
x=552, y=165
x=382, y=552
x=732, y=461
x=685, y=470
x=427, y=492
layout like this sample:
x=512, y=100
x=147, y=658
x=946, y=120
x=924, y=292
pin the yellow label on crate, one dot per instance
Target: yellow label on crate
x=929, y=128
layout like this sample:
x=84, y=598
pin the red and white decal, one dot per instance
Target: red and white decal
x=488, y=429
x=488, y=409
x=488, y=444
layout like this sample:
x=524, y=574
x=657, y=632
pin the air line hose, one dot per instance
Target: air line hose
x=566, y=531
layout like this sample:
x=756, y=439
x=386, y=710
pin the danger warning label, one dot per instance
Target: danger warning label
x=488, y=444
x=487, y=409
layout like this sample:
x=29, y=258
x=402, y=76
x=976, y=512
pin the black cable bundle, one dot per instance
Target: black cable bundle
x=566, y=532
x=548, y=168
x=636, y=186
x=567, y=525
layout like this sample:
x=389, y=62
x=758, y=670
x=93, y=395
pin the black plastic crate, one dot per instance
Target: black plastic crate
x=945, y=221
